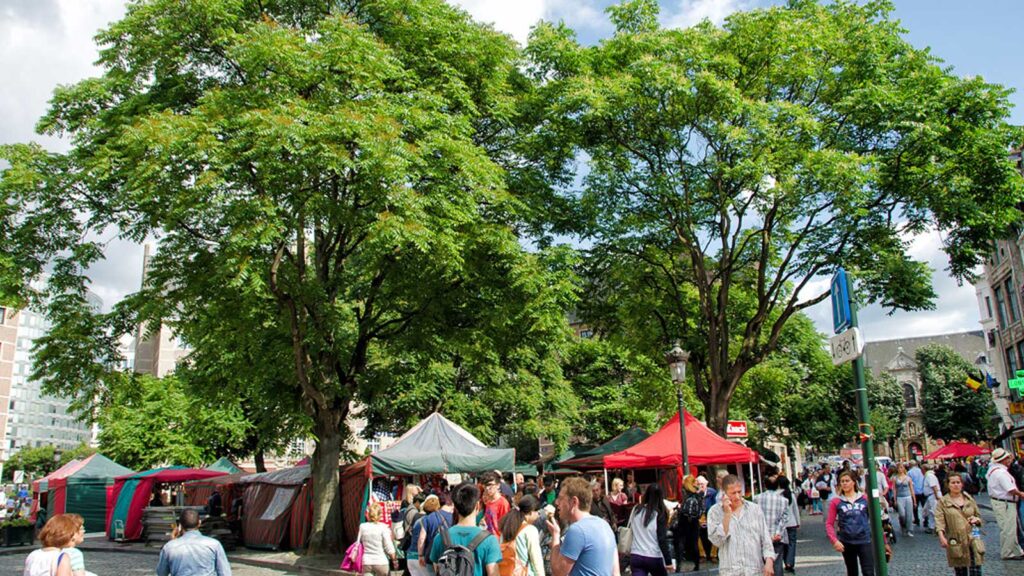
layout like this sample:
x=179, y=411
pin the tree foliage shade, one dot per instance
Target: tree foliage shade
x=328, y=184
x=155, y=422
x=728, y=168
x=952, y=411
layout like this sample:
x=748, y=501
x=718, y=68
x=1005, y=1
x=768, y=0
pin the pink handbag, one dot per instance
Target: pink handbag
x=353, y=560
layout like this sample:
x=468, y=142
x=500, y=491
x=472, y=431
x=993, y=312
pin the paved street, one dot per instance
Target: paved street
x=918, y=556
x=124, y=564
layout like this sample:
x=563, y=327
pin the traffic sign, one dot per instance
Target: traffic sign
x=1018, y=382
x=846, y=346
x=840, y=288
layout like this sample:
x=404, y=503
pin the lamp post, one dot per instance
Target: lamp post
x=677, y=359
x=56, y=458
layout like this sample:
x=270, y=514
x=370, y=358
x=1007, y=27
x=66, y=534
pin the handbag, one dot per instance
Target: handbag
x=353, y=560
x=626, y=536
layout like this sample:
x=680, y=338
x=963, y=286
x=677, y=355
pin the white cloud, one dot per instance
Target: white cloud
x=686, y=13
x=514, y=18
x=956, y=307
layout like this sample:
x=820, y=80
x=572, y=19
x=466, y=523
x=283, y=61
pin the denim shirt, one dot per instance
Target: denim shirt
x=193, y=555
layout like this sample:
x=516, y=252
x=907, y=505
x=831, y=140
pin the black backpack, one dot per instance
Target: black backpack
x=691, y=508
x=458, y=560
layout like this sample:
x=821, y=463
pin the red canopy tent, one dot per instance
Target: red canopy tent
x=662, y=449
x=131, y=494
x=956, y=450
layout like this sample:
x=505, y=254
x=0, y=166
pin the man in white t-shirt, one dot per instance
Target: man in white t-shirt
x=1004, y=495
x=932, y=493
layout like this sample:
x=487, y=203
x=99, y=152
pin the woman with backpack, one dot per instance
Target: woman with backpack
x=649, y=554
x=410, y=544
x=520, y=540
x=686, y=524
x=848, y=525
x=429, y=527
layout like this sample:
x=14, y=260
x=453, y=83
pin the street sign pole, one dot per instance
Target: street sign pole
x=864, y=429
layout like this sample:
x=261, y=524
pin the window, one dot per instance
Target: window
x=1000, y=306
x=988, y=306
x=909, y=395
x=1011, y=361
x=1011, y=295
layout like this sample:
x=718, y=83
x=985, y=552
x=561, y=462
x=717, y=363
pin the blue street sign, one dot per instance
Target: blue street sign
x=841, y=317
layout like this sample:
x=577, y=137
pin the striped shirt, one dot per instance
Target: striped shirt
x=776, y=512
x=744, y=550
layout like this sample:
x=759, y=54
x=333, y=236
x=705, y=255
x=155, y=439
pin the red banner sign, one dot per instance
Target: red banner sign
x=736, y=429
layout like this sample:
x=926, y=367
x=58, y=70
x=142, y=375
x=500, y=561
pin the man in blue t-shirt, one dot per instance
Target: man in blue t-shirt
x=589, y=545
x=487, y=556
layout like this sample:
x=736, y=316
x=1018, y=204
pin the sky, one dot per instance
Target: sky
x=46, y=43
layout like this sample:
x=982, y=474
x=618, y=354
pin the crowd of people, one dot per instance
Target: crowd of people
x=507, y=526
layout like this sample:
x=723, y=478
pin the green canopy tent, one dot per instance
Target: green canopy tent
x=83, y=490
x=435, y=445
x=593, y=458
x=554, y=466
x=225, y=465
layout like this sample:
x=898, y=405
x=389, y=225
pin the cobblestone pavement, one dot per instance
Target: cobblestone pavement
x=917, y=556
x=124, y=564
x=920, y=555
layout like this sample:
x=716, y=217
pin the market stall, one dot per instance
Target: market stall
x=435, y=445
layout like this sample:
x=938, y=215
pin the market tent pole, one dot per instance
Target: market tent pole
x=606, y=490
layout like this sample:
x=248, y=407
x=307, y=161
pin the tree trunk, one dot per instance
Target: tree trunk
x=326, y=535
x=261, y=465
x=718, y=411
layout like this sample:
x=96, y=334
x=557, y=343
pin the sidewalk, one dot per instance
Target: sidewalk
x=284, y=561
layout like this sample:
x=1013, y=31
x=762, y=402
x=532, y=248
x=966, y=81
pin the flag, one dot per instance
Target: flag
x=991, y=381
x=972, y=383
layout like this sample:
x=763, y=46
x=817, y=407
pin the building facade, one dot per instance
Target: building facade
x=896, y=357
x=28, y=417
x=1000, y=299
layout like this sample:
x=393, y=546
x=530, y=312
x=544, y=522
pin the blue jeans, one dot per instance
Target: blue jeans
x=790, y=555
x=780, y=551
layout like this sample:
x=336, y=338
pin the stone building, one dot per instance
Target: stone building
x=896, y=357
x=998, y=289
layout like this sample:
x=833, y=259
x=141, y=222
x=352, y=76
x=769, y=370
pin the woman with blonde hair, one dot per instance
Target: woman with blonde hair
x=61, y=532
x=617, y=496
x=686, y=524
x=378, y=546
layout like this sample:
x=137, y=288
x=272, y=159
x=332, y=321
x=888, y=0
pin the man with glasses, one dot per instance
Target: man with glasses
x=495, y=505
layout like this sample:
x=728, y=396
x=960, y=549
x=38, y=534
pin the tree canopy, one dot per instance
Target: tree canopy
x=729, y=168
x=327, y=182
x=952, y=411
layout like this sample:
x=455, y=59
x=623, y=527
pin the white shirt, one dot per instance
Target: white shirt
x=645, y=536
x=1000, y=482
x=377, y=544
x=931, y=485
x=743, y=551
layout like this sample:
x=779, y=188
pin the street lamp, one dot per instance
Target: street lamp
x=56, y=458
x=677, y=359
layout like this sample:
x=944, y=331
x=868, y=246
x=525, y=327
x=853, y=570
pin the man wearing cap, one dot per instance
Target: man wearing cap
x=1002, y=489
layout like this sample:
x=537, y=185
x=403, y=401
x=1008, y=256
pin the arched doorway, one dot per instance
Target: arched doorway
x=915, y=450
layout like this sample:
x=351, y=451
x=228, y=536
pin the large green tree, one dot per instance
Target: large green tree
x=951, y=410
x=329, y=173
x=733, y=167
x=156, y=422
x=34, y=461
